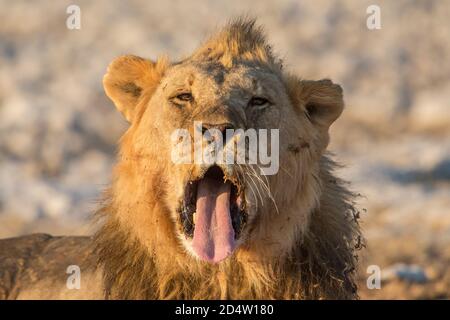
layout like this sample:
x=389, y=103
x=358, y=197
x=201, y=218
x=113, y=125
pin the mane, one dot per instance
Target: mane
x=240, y=40
x=321, y=265
x=141, y=257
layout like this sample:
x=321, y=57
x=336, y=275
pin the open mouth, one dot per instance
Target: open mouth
x=213, y=215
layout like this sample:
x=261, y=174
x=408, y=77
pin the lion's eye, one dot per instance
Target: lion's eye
x=187, y=97
x=258, y=101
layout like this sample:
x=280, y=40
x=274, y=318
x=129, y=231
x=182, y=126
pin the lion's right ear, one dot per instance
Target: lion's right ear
x=127, y=80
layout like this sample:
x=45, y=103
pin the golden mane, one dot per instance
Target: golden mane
x=242, y=40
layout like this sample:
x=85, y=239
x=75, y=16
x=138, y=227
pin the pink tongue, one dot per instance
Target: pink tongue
x=213, y=234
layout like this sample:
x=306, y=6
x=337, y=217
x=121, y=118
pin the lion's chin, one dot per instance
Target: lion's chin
x=212, y=215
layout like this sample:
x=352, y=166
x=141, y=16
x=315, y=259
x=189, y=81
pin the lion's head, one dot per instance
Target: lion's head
x=196, y=216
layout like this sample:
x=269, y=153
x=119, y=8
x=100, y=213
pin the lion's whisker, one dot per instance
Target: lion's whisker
x=251, y=187
x=266, y=187
x=257, y=188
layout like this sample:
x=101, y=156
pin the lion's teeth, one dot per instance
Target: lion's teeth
x=194, y=217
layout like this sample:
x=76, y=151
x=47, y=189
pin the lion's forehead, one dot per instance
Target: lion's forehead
x=213, y=79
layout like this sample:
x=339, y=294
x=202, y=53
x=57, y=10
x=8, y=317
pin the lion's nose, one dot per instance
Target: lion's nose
x=222, y=127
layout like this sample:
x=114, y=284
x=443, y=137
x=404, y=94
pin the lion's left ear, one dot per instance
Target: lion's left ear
x=323, y=101
x=128, y=78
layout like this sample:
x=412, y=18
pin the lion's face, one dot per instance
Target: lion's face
x=217, y=207
x=213, y=204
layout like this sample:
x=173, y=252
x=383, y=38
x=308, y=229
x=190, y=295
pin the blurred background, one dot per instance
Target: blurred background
x=58, y=131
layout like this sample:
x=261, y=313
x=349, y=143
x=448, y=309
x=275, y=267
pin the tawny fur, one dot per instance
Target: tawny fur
x=321, y=259
x=300, y=242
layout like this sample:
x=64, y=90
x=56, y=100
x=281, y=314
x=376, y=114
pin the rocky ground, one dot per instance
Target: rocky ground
x=58, y=131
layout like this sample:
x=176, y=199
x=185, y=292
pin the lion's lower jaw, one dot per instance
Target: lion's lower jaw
x=320, y=263
x=130, y=272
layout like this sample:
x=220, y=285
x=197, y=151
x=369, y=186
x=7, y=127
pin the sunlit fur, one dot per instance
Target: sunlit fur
x=302, y=238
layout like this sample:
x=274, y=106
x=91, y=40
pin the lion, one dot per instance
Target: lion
x=207, y=231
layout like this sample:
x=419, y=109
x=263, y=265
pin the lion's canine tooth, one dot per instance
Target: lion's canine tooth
x=194, y=217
